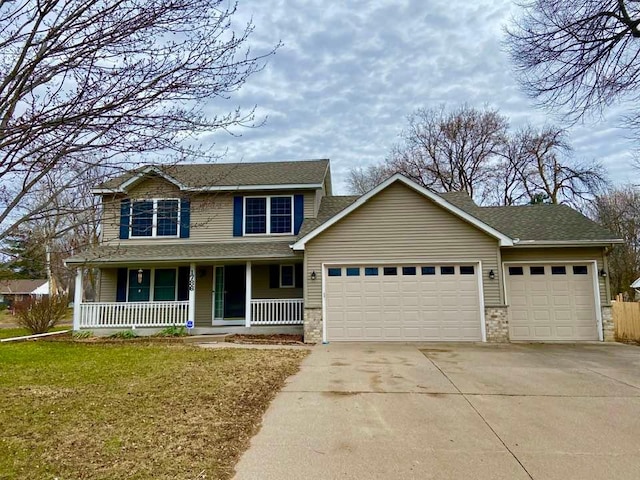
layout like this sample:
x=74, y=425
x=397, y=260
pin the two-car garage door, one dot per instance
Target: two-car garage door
x=404, y=302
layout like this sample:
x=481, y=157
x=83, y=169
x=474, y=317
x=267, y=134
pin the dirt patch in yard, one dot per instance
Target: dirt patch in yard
x=132, y=409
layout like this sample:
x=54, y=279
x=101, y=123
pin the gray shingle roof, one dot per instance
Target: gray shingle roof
x=305, y=172
x=542, y=222
x=184, y=252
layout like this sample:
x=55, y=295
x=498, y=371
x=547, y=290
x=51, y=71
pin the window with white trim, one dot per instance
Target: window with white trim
x=287, y=276
x=155, y=218
x=268, y=215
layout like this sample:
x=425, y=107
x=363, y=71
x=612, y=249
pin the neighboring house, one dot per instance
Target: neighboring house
x=636, y=286
x=12, y=291
x=231, y=246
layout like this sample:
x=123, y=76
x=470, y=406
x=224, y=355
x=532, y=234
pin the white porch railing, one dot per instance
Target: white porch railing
x=288, y=311
x=133, y=314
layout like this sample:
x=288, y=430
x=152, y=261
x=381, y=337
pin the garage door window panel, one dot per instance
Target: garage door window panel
x=558, y=270
x=408, y=271
x=353, y=272
x=580, y=270
x=536, y=270
x=371, y=271
x=390, y=271
x=516, y=271
x=447, y=270
x=335, y=272
x=467, y=270
x=428, y=270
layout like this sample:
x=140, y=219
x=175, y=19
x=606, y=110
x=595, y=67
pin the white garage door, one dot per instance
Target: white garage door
x=551, y=302
x=402, y=302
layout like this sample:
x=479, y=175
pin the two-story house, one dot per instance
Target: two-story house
x=231, y=247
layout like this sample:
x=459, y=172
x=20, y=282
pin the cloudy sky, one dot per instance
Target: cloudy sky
x=347, y=76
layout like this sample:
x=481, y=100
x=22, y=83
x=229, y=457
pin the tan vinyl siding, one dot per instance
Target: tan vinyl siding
x=260, y=285
x=400, y=225
x=204, y=296
x=108, y=285
x=569, y=254
x=211, y=214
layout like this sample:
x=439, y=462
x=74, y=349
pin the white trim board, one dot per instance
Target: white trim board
x=504, y=240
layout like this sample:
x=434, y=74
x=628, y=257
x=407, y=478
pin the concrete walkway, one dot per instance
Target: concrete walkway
x=382, y=411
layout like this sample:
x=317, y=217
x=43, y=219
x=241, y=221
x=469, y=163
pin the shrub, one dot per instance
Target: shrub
x=124, y=334
x=82, y=334
x=39, y=315
x=173, y=331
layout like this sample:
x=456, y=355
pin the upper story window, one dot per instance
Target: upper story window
x=269, y=215
x=155, y=218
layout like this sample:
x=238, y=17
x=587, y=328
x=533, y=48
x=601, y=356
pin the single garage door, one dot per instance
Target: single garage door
x=402, y=303
x=551, y=302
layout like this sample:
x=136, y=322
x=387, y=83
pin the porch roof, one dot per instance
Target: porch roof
x=185, y=252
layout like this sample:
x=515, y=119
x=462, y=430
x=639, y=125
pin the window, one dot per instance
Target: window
x=467, y=270
x=335, y=272
x=281, y=214
x=579, y=269
x=428, y=270
x=162, y=282
x=164, y=286
x=536, y=270
x=371, y=271
x=447, y=270
x=155, y=218
x=353, y=272
x=255, y=220
x=268, y=215
x=559, y=270
x=516, y=271
x=390, y=270
x=287, y=276
x=408, y=270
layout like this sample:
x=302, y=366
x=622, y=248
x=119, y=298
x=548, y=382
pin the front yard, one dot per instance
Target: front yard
x=140, y=410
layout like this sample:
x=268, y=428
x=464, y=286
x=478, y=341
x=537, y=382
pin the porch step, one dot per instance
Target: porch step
x=211, y=338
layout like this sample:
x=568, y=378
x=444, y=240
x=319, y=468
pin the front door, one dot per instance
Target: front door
x=234, y=291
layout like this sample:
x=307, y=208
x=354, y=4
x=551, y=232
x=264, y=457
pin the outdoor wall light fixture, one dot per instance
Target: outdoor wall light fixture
x=603, y=273
x=140, y=272
x=492, y=275
x=313, y=275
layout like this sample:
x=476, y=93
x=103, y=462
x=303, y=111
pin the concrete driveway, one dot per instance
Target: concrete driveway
x=383, y=411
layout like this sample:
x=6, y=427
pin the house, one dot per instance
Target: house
x=636, y=286
x=12, y=291
x=255, y=246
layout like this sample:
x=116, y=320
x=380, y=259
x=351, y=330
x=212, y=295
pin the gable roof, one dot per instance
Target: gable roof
x=228, y=176
x=503, y=239
x=636, y=284
x=21, y=287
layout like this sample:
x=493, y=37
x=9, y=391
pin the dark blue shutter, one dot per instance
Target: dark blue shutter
x=183, y=283
x=274, y=276
x=185, y=217
x=298, y=212
x=121, y=285
x=237, y=216
x=125, y=215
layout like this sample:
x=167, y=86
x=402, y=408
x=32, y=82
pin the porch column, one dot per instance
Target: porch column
x=247, y=308
x=192, y=293
x=77, y=299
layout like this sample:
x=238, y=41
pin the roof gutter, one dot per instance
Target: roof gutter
x=565, y=243
x=223, y=188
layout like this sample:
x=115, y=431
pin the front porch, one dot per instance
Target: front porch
x=229, y=297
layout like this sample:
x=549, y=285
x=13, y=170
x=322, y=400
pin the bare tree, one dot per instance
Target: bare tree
x=362, y=179
x=451, y=150
x=86, y=83
x=541, y=166
x=619, y=211
x=579, y=54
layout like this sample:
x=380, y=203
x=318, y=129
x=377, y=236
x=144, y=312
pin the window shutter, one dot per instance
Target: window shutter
x=274, y=276
x=299, y=275
x=237, y=216
x=183, y=283
x=298, y=212
x=121, y=285
x=125, y=216
x=185, y=217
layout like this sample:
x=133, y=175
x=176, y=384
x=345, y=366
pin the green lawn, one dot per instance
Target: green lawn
x=20, y=332
x=135, y=410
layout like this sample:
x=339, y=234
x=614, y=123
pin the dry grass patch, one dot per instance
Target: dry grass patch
x=104, y=411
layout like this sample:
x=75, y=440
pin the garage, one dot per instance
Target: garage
x=403, y=302
x=554, y=301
